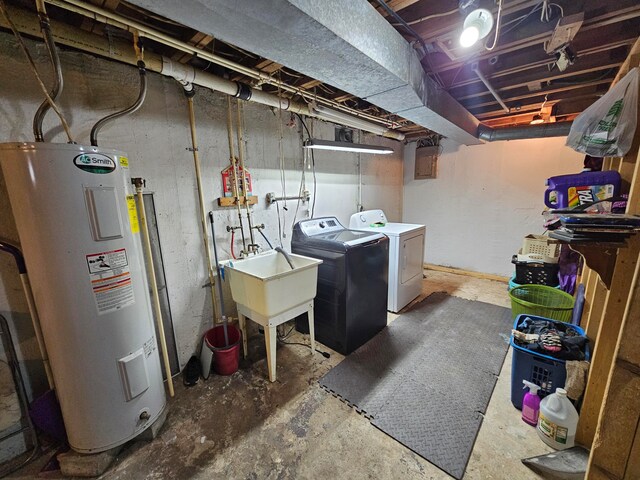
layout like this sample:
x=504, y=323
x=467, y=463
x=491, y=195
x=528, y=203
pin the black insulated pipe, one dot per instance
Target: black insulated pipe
x=58, y=81
x=17, y=256
x=544, y=130
x=136, y=105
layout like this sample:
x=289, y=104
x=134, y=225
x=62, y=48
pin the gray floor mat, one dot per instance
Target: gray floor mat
x=427, y=378
x=418, y=421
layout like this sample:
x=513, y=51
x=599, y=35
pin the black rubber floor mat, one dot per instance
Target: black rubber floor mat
x=428, y=377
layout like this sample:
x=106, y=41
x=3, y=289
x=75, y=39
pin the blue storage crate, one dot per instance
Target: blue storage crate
x=545, y=371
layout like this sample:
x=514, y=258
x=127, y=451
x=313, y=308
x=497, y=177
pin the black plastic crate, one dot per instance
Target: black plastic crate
x=536, y=273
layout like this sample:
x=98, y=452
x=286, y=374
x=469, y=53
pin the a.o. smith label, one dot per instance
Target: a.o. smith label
x=94, y=163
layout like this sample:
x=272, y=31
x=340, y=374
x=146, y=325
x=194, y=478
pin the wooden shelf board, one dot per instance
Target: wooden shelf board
x=231, y=201
x=600, y=257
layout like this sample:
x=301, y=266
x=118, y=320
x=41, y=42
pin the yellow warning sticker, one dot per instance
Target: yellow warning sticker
x=133, y=214
x=124, y=162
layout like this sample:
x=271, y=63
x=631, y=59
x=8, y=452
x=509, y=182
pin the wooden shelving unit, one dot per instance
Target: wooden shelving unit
x=610, y=416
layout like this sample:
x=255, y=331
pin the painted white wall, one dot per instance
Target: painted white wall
x=485, y=199
x=156, y=139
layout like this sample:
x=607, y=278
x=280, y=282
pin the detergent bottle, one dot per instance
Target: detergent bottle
x=558, y=420
x=531, y=403
x=568, y=191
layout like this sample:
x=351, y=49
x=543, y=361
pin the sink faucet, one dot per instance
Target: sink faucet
x=286, y=256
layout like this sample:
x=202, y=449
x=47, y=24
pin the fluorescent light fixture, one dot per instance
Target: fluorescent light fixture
x=477, y=25
x=347, y=120
x=346, y=147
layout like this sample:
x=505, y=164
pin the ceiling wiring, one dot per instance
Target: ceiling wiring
x=495, y=39
x=414, y=34
x=429, y=17
x=313, y=166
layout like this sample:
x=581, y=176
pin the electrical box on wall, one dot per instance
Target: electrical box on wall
x=426, y=162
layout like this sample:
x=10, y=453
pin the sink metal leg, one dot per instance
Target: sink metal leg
x=242, y=321
x=270, y=336
x=312, y=336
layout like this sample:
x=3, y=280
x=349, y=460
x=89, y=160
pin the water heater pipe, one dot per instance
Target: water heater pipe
x=201, y=203
x=234, y=172
x=58, y=80
x=130, y=109
x=245, y=190
x=31, y=305
x=138, y=182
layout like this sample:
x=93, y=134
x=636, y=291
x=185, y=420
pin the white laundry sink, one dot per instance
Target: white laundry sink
x=267, y=285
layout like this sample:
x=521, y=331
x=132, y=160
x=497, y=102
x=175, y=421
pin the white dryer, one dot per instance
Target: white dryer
x=406, y=255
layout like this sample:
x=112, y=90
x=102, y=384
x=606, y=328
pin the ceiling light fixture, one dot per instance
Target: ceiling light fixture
x=536, y=120
x=346, y=147
x=477, y=25
x=341, y=118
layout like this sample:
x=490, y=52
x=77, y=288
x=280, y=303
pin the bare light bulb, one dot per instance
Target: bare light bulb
x=477, y=25
x=470, y=36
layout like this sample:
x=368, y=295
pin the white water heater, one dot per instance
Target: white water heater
x=77, y=220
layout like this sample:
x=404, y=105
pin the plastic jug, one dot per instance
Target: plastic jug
x=558, y=420
x=567, y=191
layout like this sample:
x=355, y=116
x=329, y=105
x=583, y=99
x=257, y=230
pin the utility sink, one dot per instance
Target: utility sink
x=267, y=285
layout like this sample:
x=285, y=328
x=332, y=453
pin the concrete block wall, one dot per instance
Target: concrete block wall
x=156, y=139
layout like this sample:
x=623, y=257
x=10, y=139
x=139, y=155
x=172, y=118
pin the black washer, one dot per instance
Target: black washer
x=351, y=303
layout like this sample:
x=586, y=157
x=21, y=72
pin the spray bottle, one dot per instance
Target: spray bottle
x=531, y=404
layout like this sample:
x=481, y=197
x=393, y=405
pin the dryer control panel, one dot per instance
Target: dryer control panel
x=368, y=218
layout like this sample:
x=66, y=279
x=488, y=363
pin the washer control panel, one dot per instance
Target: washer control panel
x=317, y=226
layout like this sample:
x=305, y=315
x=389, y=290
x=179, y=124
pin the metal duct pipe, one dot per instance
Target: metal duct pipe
x=492, y=90
x=543, y=130
x=121, y=51
x=340, y=41
x=111, y=18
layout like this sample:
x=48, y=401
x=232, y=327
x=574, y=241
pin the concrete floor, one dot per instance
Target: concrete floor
x=243, y=427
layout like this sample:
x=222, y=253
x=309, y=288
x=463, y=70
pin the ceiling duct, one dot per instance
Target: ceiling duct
x=544, y=130
x=344, y=43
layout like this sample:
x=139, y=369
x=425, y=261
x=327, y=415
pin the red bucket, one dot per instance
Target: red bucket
x=225, y=358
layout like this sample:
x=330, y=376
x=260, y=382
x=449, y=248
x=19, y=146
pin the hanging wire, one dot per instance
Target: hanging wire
x=302, y=187
x=32, y=64
x=283, y=181
x=495, y=39
x=313, y=166
x=429, y=17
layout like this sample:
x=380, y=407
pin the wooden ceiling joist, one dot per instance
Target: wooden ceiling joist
x=199, y=40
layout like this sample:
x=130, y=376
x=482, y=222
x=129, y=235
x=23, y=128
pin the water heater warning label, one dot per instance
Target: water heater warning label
x=110, y=280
